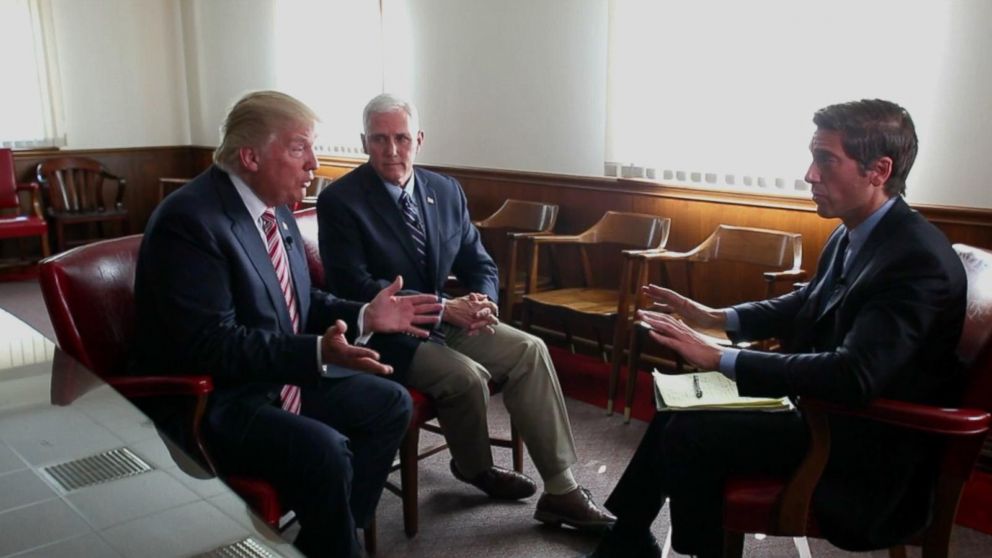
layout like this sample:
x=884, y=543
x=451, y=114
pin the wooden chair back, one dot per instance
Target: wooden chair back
x=501, y=234
x=76, y=185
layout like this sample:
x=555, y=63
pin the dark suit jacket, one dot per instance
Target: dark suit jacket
x=889, y=330
x=364, y=244
x=208, y=301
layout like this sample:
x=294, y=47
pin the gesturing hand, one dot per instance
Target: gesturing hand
x=474, y=313
x=388, y=313
x=695, y=348
x=335, y=349
x=694, y=313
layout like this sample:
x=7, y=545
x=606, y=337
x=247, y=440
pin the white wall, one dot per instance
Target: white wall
x=955, y=159
x=515, y=84
x=122, y=71
x=229, y=51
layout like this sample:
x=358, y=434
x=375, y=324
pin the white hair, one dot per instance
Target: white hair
x=387, y=102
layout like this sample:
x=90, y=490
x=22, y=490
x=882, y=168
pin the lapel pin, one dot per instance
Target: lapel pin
x=430, y=199
x=285, y=227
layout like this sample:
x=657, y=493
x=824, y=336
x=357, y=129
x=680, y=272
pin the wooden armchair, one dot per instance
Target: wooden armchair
x=780, y=506
x=608, y=306
x=515, y=220
x=76, y=195
x=777, y=254
x=14, y=223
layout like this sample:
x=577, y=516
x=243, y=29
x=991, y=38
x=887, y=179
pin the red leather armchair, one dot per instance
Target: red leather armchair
x=13, y=222
x=423, y=406
x=780, y=506
x=89, y=292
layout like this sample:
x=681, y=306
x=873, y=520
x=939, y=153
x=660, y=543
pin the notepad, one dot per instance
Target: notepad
x=715, y=392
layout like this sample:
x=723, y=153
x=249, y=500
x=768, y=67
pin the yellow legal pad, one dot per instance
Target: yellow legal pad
x=716, y=392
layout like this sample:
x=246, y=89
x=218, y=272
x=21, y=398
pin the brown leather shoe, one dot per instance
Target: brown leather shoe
x=575, y=508
x=499, y=483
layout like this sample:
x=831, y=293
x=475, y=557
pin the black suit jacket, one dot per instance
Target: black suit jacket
x=364, y=244
x=208, y=301
x=890, y=329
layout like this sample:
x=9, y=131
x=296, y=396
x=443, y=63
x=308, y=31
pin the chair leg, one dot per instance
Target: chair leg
x=370, y=537
x=733, y=544
x=408, y=479
x=802, y=547
x=897, y=551
x=637, y=334
x=45, y=249
x=518, y=448
x=59, y=236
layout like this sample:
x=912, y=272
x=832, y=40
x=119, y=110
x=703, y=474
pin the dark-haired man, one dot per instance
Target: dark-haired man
x=881, y=318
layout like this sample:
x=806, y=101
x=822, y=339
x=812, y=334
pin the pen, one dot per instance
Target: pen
x=695, y=386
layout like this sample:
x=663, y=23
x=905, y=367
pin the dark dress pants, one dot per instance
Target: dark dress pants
x=329, y=463
x=687, y=456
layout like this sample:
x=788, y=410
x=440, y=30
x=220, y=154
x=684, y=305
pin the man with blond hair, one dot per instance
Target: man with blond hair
x=222, y=288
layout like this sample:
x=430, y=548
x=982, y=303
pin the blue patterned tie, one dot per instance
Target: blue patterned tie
x=412, y=220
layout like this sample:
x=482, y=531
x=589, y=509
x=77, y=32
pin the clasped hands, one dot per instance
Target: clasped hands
x=697, y=349
x=474, y=313
x=387, y=313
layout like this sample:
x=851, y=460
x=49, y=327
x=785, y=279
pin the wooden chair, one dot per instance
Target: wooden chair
x=780, y=506
x=89, y=292
x=14, y=222
x=76, y=195
x=608, y=306
x=515, y=220
x=777, y=254
x=423, y=406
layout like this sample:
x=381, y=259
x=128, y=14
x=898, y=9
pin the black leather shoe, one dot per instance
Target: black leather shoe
x=576, y=509
x=613, y=546
x=499, y=483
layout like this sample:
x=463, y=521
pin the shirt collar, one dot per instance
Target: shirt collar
x=859, y=235
x=255, y=206
x=395, y=189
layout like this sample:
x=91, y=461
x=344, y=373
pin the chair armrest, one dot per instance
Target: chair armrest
x=793, y=275
x=28, y=187
x=156, y=386
x=526, y=234
x=663, y=255
x=35, y=191
x=914, y=416
x=643, y=254
x=557, y=239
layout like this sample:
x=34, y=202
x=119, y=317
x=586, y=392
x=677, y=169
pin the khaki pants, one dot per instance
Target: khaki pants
x=456, y=375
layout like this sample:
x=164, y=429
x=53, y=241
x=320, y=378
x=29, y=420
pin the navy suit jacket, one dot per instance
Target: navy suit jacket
x=208, y=301
x=364, y=244
x=890, y=329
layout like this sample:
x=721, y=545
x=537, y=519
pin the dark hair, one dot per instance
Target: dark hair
x=871, y=129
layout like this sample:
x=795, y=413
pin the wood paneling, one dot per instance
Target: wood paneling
x=141, y=167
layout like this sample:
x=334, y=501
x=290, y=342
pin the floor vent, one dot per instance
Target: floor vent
x=95, y=469
x=247, y=548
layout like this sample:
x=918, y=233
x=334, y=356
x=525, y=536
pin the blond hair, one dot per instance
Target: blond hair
x=254, y=120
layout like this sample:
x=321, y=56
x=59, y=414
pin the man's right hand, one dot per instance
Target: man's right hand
x=335, y=349
x=474, y=313
x=692, y=312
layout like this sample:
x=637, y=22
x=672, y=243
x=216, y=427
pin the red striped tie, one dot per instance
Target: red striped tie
x=290, y=393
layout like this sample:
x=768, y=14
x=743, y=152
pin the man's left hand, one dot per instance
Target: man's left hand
x=388, y=313
x=695, y=348
x=474, y=313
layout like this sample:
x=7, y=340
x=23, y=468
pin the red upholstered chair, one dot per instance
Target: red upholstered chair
x=13, y=222
x=76, y=195
x=89, y=292
x=780, y=506
x=423, y=406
